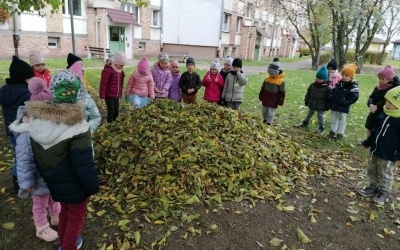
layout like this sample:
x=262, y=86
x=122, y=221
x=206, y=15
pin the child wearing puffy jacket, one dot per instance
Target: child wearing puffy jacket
x=213, y=83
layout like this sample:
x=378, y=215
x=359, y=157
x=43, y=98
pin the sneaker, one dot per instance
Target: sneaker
x=46, y=233
x=339, y=136
x=331, y=134
x=303, y=124
x=368, y=191
x=320, y=130
x=381, y=197
x=79, y=243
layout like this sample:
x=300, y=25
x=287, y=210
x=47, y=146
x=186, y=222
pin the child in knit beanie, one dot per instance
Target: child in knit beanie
x=175, y=92
x=140, y=86
x=384, y=148
x=224, y=73
x=317, y=98
x=344, y=95
x=335, y=77
x=29, y=179
x=376, y=100
x=12, y=95
x=233, y=91
x=213, y=83
x=272, y=93
x=162, y=76
x=190, y=82
x=36, y=60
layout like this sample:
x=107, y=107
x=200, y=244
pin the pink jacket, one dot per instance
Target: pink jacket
x=335, y=78
x=213, y=88
x=142, y=85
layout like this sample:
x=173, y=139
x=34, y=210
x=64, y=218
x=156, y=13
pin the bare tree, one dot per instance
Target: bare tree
x=391, y=24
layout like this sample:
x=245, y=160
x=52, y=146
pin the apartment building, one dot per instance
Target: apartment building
x=203, y=28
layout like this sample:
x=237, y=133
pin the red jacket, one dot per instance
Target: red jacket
x=45, y=76
x=111, y=83
x=213, y=88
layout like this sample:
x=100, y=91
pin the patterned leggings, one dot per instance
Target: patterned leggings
x=112, y=109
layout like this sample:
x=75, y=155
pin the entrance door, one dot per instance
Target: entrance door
x=256, y=52
x=117, y=39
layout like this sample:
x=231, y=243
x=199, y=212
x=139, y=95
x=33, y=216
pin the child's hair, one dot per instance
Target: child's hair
x=386, y=72
x=35, y=57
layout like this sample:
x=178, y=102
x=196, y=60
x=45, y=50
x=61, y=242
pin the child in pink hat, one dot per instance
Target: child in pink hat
x=140, y=86
x=29, y=180
x=162, y=76
x=376, y=101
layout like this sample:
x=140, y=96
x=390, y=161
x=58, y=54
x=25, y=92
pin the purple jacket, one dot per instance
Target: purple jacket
x=162, y=80
x=175, y=92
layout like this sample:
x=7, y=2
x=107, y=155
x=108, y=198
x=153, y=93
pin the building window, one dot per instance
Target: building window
x=52, y=42
x=225, y=24
x=238, y=24
x=249, y=10
x=256, y=23
x=155, y=18
x=131, y=8
x=142, y=46
x=76, y=7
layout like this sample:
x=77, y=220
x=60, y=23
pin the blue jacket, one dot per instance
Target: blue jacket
x=12, y=95
x=385, y=138
x=344, y=95
x=28, y=176
x=92, y=114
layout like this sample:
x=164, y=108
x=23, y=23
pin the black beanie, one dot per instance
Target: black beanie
x=20, y=70
x=237, y=62
x=332, y=64
x=190, y=60
x=71, y=59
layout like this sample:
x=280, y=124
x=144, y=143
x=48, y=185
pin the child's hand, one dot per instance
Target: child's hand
x=373, y=108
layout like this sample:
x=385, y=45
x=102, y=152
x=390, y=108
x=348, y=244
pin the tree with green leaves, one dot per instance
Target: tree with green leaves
x=391, y=24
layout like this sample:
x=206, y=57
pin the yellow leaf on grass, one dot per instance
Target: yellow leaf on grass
x=101, y=213
x=289, y=208
x=91, y=210
x=123, y=223
x=302, y=237
x=158, y=222
x=275, y=242
x=313, y=220
x=387, y=232
x=373, y=215
x=8, y=225
x=136, y=235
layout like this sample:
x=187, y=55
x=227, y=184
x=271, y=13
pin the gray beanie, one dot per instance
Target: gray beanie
x=215, y=64
x=274, y=67
x=228, y=60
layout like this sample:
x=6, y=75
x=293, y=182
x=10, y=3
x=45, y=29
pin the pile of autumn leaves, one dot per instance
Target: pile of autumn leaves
x=168, y=155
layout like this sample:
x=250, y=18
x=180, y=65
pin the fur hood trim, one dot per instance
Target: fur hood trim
x=57, y=113
x=18, y=127
x=277, y=80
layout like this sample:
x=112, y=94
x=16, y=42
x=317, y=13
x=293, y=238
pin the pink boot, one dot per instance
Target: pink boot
x=46, y=233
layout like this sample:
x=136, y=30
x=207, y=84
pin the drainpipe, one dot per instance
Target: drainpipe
x=96, y=27
x=162, y=27
x=15, y=35
x=219, y=49
x=71, y=15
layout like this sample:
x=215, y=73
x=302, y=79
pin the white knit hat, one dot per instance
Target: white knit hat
x=119, y=58
x=215, y=64
x=35, y=57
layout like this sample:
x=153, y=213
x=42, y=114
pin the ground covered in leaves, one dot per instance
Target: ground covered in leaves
x=204, y=177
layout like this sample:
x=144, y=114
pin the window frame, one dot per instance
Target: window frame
x=65, y=8
x=52, y=39
x=239, y=21
x=226, y=22
x=158, y=24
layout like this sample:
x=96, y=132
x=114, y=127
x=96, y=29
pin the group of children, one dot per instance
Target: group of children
x=223, y=86
x=49, y=121
x=337, y=92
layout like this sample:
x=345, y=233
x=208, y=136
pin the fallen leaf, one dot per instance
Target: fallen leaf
x=275, y=242
x=302, y=237
x=8, y=225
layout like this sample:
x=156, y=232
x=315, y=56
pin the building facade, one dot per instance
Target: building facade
x=204, y=28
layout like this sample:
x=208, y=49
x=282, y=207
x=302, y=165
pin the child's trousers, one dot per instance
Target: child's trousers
x=39, y=208
x=189, y=99
x=320, y=116
x=72, y=217
x=338, y=122
x=233, y=105
x=268, y=114
x=112, y=109
x=380, y=173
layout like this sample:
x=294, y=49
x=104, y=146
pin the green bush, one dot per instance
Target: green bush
x=305, y=51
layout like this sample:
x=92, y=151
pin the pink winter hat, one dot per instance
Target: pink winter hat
x=38, y=88
x=173, y=63
x=143, y=65
x=387, y=72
